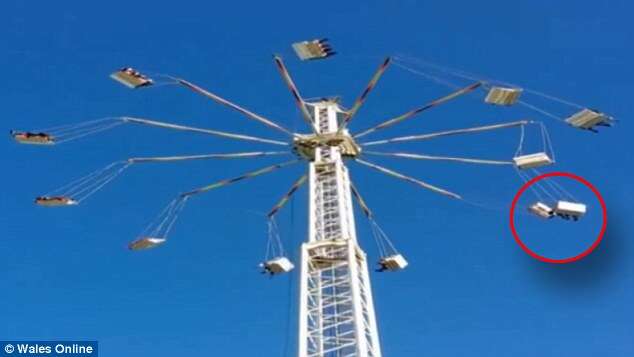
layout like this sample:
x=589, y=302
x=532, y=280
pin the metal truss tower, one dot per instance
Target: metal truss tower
x=336, y=315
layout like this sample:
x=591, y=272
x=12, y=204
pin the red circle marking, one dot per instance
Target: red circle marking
x=565, y=260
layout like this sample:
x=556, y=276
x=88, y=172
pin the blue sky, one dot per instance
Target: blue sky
x=469, y=290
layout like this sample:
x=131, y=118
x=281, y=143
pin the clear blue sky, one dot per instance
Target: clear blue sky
x=469, y=291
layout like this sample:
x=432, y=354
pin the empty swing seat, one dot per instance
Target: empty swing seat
x=312, y=50
x=541, y=209
x=54, y=201
x=532, y=160
x=587, y=119
x=503, y=95
x=567, y=210
x=146, y=243
x=392, y=263
x=277, y=266
x=32, y=138
x=131, y=78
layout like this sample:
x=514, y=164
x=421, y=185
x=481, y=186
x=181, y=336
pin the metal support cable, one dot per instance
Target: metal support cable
x=525, y=180
x=364, y=95
x=547, y=142
x=236, y=155
x=416, y=111
x=447, y=133
x=538, y=185
x=203, y=131
x=468, y=76
x=68, y=136
x=438, y=158
x=409, y=179
x=296, y=185
x=364, y=207
x=433, y=78
x=559, y=189
x=295, y=92
x=174, y=216
x=539, y=110
x=520, y=145
x=84, y=179
x=382, y=237
x=447, y=70
x=247, y=175
x=234, y=106
x=93, y=182
x=151, y=227
x=60, y=129
x=90, y=190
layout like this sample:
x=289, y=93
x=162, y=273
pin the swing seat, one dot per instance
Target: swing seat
x=55, y=201
x=146, y=243
x=393, y=263
x=541, y=209
x=503, y=95
x=33, y=138
x=566, y=209
x=532, y=160
x=588, y=119
x=131, y=78
x=312, y=50
x=277, y=266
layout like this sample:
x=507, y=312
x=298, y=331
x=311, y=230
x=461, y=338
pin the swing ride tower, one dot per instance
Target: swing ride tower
x=336, y=312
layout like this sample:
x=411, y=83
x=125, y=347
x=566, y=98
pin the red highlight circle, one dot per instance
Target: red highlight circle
x=565, y=260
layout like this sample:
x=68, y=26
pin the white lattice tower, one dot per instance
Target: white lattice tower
x=336, y=309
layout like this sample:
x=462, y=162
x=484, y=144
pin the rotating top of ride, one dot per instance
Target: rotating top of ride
x=304, y=145
x=328, y=121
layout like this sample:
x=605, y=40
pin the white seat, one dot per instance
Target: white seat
x=503, y=96
x=146, y=243
x=568, y=209
x=131, y=78
x=53, y=201
x=541, y=209
x=532, y=160
x=33, y=138
x=311, y=50
x=588, y=119
x=277, y=265
x=393, y=263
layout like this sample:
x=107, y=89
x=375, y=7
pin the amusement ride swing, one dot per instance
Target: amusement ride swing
x=336, y=309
